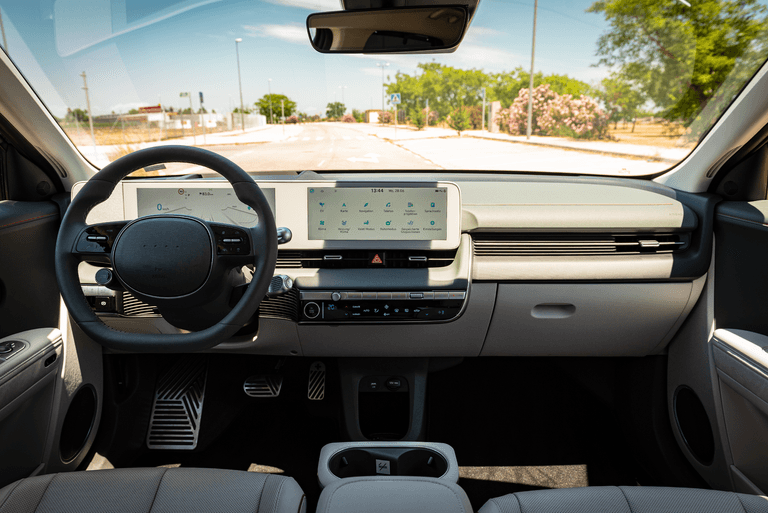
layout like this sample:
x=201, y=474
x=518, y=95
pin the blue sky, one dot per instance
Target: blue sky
x=136, y=52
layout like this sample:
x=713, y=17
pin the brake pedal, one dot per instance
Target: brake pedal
x=178, y=406
x=316, y=388
x=263, y=386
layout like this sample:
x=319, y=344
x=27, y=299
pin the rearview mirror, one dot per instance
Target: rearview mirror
x=407, y=29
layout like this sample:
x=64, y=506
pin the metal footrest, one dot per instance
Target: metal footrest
x=178, y=406
x=263, y=386
x=316, y=387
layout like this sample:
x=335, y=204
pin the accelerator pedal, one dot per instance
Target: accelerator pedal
x=178, y=406
x=263, y=386
x=316, y=388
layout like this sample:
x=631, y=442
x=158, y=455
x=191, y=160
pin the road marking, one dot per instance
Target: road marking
x=373, y=158
x=360, y=138
x=305, y=139
x=319, y=138
x=321, y=163
x=347, y=138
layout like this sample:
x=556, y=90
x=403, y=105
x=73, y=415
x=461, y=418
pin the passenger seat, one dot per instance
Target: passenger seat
x=627, y=499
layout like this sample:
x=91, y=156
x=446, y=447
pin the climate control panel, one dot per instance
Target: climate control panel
x=391, y=306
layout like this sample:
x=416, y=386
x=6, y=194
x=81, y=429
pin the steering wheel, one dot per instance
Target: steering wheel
x=178, y=263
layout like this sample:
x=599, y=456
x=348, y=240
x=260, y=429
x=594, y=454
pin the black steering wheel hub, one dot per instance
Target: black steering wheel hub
x=163, y=256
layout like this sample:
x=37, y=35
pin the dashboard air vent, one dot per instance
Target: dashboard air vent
x=524, y=244
x=129, y=306
x=360, y=259
x=284, y=307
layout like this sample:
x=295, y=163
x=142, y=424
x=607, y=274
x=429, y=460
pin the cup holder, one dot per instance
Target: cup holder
x=383, y=461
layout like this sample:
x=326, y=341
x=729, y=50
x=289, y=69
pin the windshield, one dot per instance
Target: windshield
x=619, y=87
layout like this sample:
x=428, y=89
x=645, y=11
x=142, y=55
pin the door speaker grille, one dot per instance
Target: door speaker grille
x=178, y=406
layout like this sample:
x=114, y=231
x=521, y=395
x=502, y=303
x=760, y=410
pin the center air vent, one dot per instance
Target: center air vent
x=359, y=259
x=523, y=244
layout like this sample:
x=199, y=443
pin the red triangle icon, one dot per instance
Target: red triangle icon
x=377, y=260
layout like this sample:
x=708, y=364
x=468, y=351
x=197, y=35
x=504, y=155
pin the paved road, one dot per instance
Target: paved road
x=333, y=146
x=318, y=147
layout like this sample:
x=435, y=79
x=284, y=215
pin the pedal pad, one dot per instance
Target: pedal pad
x=316, y=388
x=178, y=406
x=263, y=386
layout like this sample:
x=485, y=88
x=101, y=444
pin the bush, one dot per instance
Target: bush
x=349, y=118
x=292, y=119
x=459, y=119
x=359, y=116
x=556, y=115
x=385, y=117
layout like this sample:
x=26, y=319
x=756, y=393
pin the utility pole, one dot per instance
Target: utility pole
x=191, y=116
x=530, y=85
x=482, y=121
x=2, y=29
x=269, y=85
x=282, y=113
x=382, y=65
x=202, y=116
x=426, y=121
x=240, y=83
x=162, y=111
x=88, y=103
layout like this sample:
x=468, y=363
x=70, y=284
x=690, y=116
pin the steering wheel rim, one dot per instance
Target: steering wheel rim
x=263, y=239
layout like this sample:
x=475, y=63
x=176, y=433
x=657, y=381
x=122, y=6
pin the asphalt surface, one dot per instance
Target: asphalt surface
x=317, y=147
x=336, y=146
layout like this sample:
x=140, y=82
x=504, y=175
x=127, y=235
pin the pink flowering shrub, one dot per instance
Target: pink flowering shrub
x=385, y=117
x=556, y=115
x=349, y=118
x=292, y=119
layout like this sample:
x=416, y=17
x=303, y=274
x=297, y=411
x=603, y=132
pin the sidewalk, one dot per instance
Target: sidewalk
x=657, y=153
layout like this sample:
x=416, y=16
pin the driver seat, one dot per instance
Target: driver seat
x=154, y=490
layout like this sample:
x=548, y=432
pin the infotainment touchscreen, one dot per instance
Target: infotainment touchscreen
x=210, y=204
x=377, y=213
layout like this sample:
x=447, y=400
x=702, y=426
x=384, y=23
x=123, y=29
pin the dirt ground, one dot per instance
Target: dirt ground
x=666, y=135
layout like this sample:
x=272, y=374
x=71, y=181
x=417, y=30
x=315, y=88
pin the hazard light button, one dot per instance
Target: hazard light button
x=377, y=259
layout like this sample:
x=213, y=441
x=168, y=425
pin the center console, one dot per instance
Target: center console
x=383, y=477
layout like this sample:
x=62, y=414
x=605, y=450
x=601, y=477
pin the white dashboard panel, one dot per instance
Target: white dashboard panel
x=290, y=202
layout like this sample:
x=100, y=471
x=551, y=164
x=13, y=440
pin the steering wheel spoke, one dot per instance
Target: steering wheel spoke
x=94, y=242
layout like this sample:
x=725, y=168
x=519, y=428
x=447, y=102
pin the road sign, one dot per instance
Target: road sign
x=394, y=98
x=183, y=95
x=153, y=109
x=201, y=97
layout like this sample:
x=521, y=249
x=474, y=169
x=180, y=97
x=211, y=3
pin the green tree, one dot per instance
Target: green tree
x=359, y=116
x=132, y=111
x=459, y=119
x=335, y=110
x=622, y=100
x=263, y=105
x=78, y=114
x=679, y=55
x=237, y=111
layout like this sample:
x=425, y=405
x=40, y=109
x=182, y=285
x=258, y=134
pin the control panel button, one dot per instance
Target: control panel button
x=354, y=295
x=6, y=347
x=441, y=295
x=384, y=295
x=456, y=295
x=417, y=295
x=393, y=384
x=311, y=310
x=369, y=295
x=335, y=296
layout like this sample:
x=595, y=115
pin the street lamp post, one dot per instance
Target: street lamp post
x=530, y=85
x=240, y=82
x=88, y=103
x=269, y=85
x=342, y=97
x=382, y=65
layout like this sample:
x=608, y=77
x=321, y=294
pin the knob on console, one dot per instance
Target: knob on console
x=335, y=296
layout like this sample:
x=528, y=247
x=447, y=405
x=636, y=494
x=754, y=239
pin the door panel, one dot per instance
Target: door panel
x=740, y=362
x=29, y=296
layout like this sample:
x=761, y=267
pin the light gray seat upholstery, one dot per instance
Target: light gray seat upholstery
x=627, y=499
x=154, y=490
x=401, y=494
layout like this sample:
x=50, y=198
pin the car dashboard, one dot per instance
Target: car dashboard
x=397, y=264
